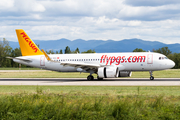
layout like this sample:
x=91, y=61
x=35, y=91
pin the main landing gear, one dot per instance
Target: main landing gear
x=90, y=77
x=99, y=78
x=151, y=75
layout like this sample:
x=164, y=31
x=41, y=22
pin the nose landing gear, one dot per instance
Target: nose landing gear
x=151, y=75
x=151, y=78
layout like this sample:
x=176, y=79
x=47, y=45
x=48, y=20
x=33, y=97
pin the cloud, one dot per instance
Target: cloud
x=28, y=6
x=91, y=19
x=116, y=9
x=151, y=2
x=94, y=8
x=17, y=8
x=5, y=4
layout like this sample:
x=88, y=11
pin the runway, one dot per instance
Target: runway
x=84, y=82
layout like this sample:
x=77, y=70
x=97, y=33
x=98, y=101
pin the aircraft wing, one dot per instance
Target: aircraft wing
x=84, y=66
x=87, y=66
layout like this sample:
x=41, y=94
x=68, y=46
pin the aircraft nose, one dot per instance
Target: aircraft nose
x=171, y=64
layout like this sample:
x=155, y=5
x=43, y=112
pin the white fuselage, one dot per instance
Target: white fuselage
x=132, y=61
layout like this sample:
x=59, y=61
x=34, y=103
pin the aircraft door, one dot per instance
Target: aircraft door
x=42, y=61
x=150, y=59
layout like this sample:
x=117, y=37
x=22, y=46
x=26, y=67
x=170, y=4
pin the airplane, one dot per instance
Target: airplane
x=105, y=65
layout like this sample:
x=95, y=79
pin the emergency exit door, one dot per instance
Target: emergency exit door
x=150, y=59
x=42, y=61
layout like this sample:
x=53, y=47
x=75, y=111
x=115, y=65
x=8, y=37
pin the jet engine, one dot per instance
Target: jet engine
x=108, y=72
x=125, y=74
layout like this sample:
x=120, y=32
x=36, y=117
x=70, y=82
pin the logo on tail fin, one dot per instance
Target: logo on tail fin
x=27, y=39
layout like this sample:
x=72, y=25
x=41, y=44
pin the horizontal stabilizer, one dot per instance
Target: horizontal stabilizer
x=22, y=59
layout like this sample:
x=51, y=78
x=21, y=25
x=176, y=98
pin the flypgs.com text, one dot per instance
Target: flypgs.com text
x=121, y=59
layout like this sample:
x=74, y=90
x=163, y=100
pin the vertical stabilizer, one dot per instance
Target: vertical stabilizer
x=28, y=47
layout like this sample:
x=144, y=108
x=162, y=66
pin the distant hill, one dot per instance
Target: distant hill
x=100, y=46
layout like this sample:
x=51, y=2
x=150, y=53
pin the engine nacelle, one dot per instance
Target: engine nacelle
x=125, y=74
x=108, y=72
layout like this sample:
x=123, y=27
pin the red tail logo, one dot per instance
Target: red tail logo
x=31, y=44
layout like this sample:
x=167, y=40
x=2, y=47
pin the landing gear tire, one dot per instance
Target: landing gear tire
x=90, y=77
x=151, y=78
x=99, y=78
x=151, y=75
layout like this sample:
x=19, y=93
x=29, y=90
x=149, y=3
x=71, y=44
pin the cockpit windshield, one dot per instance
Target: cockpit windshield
x=162, y=58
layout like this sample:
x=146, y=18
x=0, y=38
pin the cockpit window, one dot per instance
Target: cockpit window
x=162, y=58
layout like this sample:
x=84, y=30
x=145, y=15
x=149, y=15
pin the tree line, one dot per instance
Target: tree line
x=165, y=51
x=68, y=51
x=6, y=50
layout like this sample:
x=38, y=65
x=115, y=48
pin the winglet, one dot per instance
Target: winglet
x=47, y=57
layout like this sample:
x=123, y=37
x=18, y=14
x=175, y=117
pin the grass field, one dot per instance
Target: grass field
x=90, y=102
x=172, y=73
x=94, y=90
x=9, y=68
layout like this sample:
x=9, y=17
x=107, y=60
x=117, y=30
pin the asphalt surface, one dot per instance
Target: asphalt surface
x=84, y=82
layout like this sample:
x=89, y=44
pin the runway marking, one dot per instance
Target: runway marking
x=84, y=82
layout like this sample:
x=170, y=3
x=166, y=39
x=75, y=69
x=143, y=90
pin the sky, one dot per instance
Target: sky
x=152, y=20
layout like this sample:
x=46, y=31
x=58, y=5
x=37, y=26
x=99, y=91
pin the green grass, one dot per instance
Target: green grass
x=95, y=90
x=9, y=68
x=52, y=74
x=90, y=102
